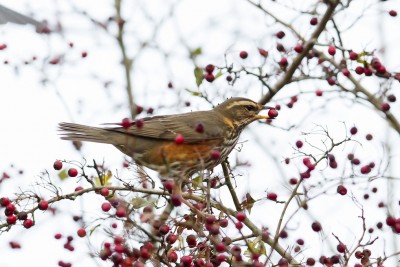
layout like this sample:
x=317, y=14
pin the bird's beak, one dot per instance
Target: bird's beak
x=259, y=117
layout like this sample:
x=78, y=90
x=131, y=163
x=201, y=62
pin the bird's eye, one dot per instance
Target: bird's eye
x=251, y=108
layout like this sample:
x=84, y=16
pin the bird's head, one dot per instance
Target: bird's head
x=241, y=111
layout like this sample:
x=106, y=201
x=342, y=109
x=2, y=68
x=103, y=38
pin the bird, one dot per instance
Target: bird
x=10, y=16
x=179, y=144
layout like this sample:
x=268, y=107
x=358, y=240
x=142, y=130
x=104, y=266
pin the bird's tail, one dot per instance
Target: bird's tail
x=78, y=132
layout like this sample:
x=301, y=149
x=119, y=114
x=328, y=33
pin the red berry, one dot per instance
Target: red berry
x=199, y=127
x=314, y=21
x=78, y=188
x=369, y=137
x=215, y=154
x=385, y=106
x=3, y=46
x=81, y=232
x=84, y=54
x=310, y=262
x=104, y=192
x=139, y=123
x=210, y=68
x=229, y=78
x=72, y=172
x=359, y=70
x=346, y=72
x=353, y=130
x=240, y=216
x=176, y=200
x=179, y=139
x=293, y=181
x=318, y=93
x=57, y=165
x=353, y=55
x=391, y=98
x=368, y=71
x=298, y=48
x=239, y=225
x=43, y=204
x=280, y=34
x=299, y=144
x=186, y=260
x=263, y=52
x=209, y=77
x=164, y=229
x=220, y=247
x=12, y=219
x=283, y=62
x=341, y=190
x=332, y=50
x=243, y=54
x=365, y=169
x=210, y=219
x=172, y=256
x=126, y=123
x=316, y=226
x=4, y=201
x=300, y=241
x=272, y=113
x=106, y=206
x=393, y=13
x=58, y=236
x=169, y=185
x=14, y=245
x=223, y=223
x=121, y=212
x=272, y=196
x=172, y=238
x=331, y=81
x=191, y=241
x=28, y=223
x=55, y=61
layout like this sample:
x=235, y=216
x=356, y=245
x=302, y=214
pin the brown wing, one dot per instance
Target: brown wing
x=168, y=127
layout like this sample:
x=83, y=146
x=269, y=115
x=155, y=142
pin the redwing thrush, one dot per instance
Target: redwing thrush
x=208, y=137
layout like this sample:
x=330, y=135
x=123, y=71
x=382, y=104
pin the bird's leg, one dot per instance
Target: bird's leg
x=208, y=191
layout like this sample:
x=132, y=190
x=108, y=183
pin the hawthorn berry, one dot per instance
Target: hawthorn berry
x=43, y=204
x=57, y=165
x=331, y=50
x=393, y=13
x=104, y=192
x=318, y=93
x=341, y=190
x=346, y=72
x=243, y=54
x=81, y=232
x=28, y=223
x=72, y=172
x=385, y=106
x=316, y=226
x=241, y=216
x=215, y=154
x=298, y=48
x=299, y=144
x=353, y=130
x=273, y=113
x=172, y=256
x=126, y=123
x=353, y=55
x=272, y=196
x=209, y=77
x=280, y=34
x=171, y=238
x=179, y=139
x=263, y=52
x=209, y=68
x=164, y=229
x=121, y=212
x=314, y=21
x=11, y=219
x=391, y=98
x=106, y=206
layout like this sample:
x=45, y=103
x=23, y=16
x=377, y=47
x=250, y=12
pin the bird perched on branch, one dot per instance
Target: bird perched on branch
x=179, y=144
